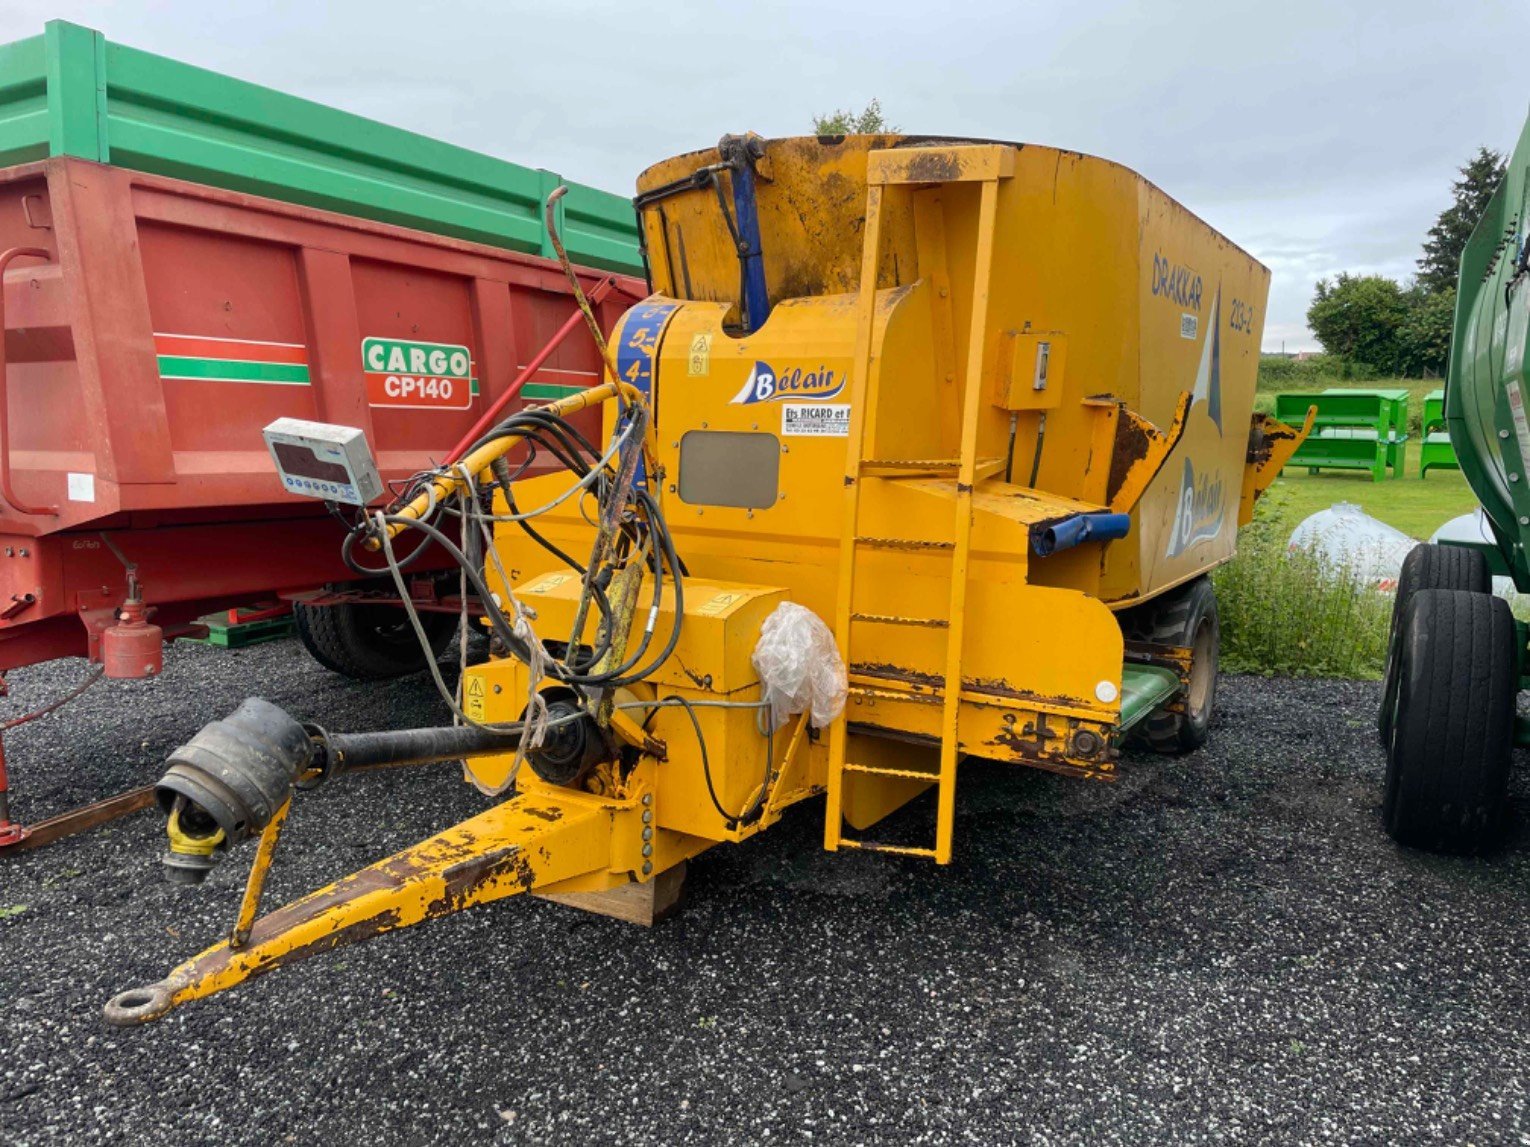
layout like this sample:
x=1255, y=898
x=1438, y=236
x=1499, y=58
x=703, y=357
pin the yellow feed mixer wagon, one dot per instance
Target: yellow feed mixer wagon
x=920, y=450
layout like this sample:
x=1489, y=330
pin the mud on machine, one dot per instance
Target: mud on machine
x=920, y=450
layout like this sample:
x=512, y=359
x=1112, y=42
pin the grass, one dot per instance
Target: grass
x=1284, y=612
x=1416, y=506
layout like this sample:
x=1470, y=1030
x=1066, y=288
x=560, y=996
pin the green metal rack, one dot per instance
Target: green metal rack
x=1436, y=451
x=1354, y=430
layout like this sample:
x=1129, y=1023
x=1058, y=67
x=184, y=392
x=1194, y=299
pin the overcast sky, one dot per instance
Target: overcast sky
x=1319, y=136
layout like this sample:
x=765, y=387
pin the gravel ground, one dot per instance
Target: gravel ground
x=1223, y=946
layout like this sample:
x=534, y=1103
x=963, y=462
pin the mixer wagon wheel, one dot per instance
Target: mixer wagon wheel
x=369, y=641
x=1452, y=722
x=1185, y=617
x=1427, y=566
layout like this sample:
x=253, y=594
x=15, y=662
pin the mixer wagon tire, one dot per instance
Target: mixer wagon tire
x=1453, y=725
x=1427, y=566
x=1186, y=617
x=369, y=642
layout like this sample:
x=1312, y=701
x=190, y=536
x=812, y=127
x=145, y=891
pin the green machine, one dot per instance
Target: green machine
x=1457, y=657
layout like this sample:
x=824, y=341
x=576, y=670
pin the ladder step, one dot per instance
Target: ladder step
x=910, y=463
x=882, y=771
x=896, y=849
x=894, y=619
x=903, y=544
x=926, y=467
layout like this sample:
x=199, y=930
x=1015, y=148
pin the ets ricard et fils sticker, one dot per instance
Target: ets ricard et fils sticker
x=416, y=375
x=815, y=420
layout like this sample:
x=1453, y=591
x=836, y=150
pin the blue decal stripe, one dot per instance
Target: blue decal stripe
x=644, y=325
x=640, y=334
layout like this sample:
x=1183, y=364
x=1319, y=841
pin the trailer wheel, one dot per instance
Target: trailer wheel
x=1427, y=566
x=369, y=641
x=1453, y=722
x=1186, y=617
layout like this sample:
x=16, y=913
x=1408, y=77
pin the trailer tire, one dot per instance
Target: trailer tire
x=1187, y=617
x=369, y=641
x=1452, y=735
x=1427, y=566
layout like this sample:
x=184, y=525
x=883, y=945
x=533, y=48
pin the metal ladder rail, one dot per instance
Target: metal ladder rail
x=859, y=469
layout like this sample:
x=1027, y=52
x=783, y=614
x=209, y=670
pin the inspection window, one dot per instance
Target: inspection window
x=730, y=468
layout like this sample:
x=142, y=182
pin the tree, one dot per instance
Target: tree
x=868, y=121
x=1424, y=336
x=1442, y=250
x=1359, y=319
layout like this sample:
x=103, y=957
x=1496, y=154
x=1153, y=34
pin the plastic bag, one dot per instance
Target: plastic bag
x=1344, y=535
x=799, y=666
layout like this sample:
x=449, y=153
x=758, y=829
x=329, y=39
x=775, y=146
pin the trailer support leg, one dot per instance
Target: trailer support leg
x=10, y=833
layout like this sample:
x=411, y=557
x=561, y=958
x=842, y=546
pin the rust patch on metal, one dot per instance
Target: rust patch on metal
x=1263, y=433
x=387, y=920
x=466, y=878
x=888, y=672
x=1056, y=762
x=1133, y=441
x=701, y=681
x=1175, y=658
x=932, y=167
x=990, y=687
x=996, y=687
x=550, y=815
x=461, y=882
x=1260, y=449
x=1045, y=746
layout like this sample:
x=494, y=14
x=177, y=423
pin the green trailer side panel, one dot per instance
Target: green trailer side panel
x=76, y=91
x=23, y=102
x=70, y=92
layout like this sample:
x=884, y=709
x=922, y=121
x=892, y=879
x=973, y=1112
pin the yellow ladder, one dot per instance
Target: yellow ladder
x=908, y=168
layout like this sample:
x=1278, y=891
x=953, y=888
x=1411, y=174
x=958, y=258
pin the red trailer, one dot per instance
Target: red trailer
x=152, y=327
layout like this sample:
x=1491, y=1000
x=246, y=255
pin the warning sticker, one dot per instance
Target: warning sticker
x=1521, y=428
x=546, y=584
x=700, y=359
x=472, y=701
x=720, y=604
x=815, y=420
x=416, y=375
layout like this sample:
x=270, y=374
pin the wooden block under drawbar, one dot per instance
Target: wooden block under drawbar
x=645, y=903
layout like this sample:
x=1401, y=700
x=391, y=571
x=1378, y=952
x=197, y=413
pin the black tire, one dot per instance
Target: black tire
x=1453, y=726
x=369, y=641
x=1427, y=566
x=1186, y=616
